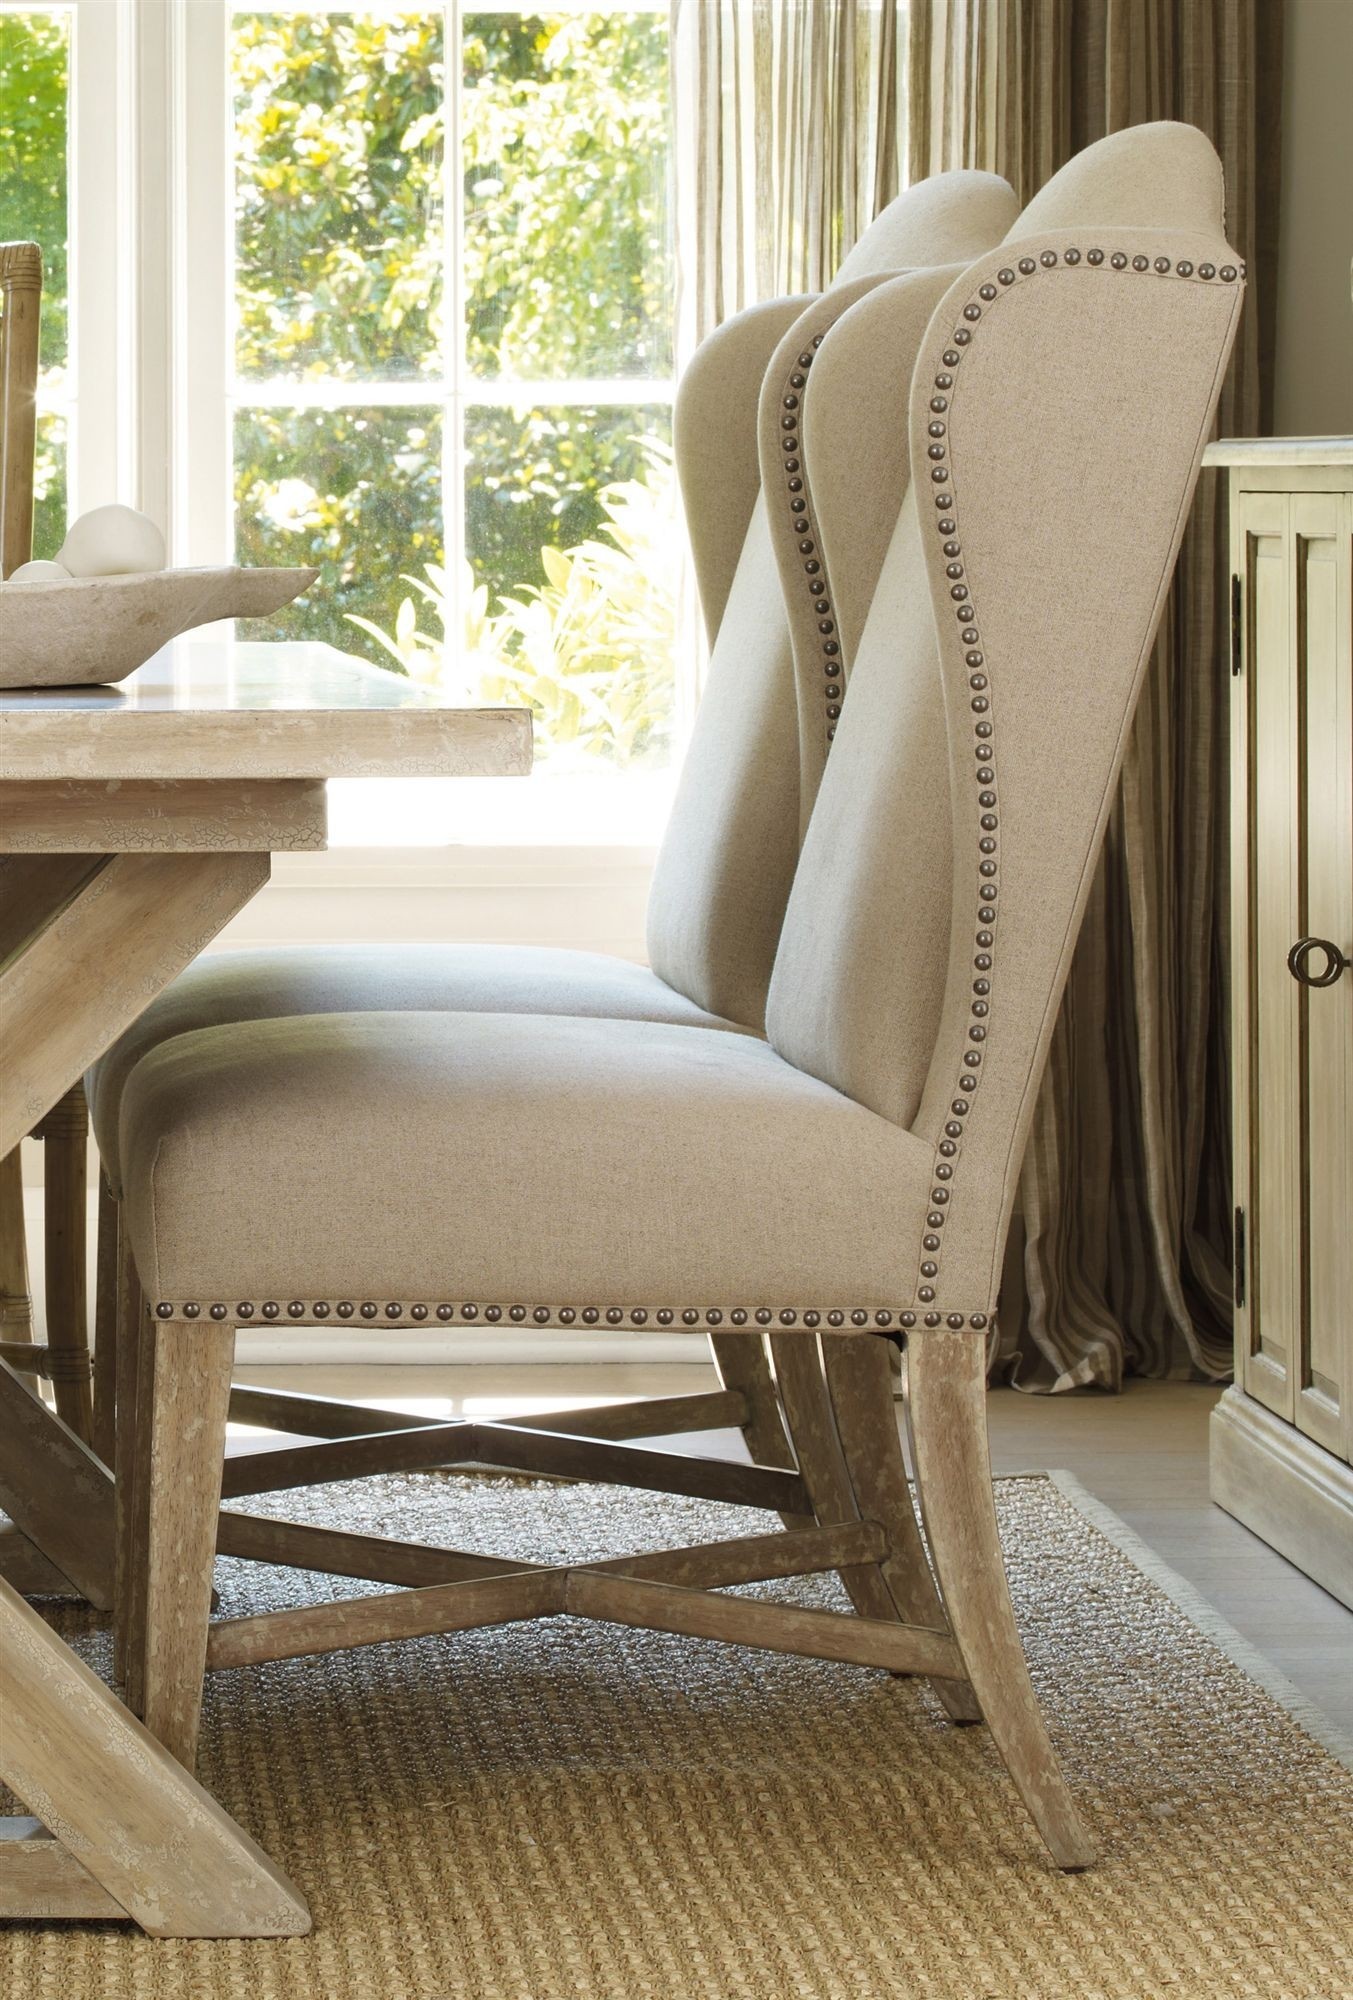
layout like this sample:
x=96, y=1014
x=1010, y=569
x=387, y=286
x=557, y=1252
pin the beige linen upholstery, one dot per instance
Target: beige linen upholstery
x=1070, y=386
x=859, y=978
x=529, y=1160
x=728, y=856
x=460, y=978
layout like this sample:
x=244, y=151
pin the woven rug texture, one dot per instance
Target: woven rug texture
x=573, y=1811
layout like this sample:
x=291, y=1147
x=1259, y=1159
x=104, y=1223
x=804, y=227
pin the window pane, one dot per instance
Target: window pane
x=567, y=265
x=358, y=493
x=338, y=177
x=49, y=485
x=571, y=531
x=34, y=94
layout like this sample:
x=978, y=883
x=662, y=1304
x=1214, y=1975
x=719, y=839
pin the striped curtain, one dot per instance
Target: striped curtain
x=796, y=121
x=1126, y=1188
x=790, y=137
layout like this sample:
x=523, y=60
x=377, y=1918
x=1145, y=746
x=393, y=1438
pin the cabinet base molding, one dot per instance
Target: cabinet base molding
x=1289, y=1491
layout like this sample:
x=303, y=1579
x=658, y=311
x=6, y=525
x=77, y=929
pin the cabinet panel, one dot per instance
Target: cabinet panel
x=1325, y=863
x=1271, y=780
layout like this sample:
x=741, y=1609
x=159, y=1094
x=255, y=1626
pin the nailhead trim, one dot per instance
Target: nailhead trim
x=705, y=1319
x=809, y=541
x=949, y=1148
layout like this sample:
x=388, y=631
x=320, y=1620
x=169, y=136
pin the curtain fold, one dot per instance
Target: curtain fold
x=795, y=122
x=1126, y=1186
x=790, y=137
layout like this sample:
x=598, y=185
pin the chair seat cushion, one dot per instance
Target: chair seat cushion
x=510, y=1161
x=358, y=979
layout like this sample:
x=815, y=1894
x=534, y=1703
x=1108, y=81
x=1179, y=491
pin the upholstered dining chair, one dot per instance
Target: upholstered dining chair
x=842, y=1184
x=728, y=856
x=64, y=1357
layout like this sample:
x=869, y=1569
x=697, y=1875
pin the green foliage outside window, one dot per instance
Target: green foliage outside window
x=340, y=152
x=342, y=275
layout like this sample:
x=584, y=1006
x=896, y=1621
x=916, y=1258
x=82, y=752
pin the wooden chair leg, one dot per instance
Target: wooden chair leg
x=741, y=1361
x=946, y=1377
x=128, y=1597
x=16, y=1300
x=184, y=1399
x=65, y=1135
x=105, y=1325
x=860, y=1381
x=808, y=1417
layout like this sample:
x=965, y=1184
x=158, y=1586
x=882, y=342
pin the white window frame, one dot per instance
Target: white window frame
x=150, y=400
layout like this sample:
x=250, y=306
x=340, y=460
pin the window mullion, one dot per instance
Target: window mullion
x=453, y=319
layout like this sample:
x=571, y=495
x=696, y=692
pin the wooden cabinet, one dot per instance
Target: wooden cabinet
x=1282, y=1437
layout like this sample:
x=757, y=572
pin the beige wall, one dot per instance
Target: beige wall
x=1315, y=313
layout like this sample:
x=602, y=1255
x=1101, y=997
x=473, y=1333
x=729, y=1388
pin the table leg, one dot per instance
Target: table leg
x=139, y=1836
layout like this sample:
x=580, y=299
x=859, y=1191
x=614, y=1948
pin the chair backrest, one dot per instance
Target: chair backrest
x=727, y=860
x=1058, y=410
x=20, y=307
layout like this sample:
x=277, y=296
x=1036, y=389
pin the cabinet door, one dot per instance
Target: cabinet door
x=1323, y=627
x=1292, y=858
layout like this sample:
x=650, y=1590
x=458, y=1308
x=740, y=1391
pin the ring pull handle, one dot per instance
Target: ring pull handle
x=1298, y=962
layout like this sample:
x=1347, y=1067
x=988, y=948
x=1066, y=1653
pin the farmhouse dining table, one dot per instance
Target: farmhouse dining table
x=135, y=822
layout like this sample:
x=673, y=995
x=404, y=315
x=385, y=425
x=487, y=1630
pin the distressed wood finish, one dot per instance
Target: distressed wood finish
x=656, y=1416
x=743, y=1365
x=1291, y=514
x=185, y=816
x=16, y=1300
x=135, y=1820
x=141, y=918
x=183, y=1394
x=808, y=1418
x=64, y=1133
x=127, y=772
x=20, y=315
x=946, y=1413
x=56, y=1491
x=221, y=710
x=39, y=1878
x=517, y=1450
x=741, y=1621
x=415, y=1565
x=860, y=1384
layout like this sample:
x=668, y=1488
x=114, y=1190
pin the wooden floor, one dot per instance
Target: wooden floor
x=1143, y=1453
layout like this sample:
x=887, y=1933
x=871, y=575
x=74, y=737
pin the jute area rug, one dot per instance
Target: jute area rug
x=569, y=1811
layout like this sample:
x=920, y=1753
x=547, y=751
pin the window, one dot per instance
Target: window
x=451, y=372
x=386, y=289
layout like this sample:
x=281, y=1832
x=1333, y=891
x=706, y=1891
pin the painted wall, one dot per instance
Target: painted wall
x=1315, y=312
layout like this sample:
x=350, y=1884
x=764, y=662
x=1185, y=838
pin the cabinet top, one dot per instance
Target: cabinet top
x=1280, y=451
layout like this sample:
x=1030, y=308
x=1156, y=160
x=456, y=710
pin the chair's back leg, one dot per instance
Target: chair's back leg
x=860, y=1380
x=65, y=1135
x=741, y=1361
x=16, y=1302
x=808, y=1414
x=946, y=1382
x=105, y=1324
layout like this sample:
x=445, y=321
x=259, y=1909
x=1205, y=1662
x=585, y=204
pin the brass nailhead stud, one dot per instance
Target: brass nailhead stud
x=191, y=1310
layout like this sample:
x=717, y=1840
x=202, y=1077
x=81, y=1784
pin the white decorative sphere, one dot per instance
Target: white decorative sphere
x=112, y=541
x=39, y=572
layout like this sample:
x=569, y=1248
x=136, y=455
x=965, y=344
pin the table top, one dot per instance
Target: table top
x=1280, y=451
x=221, y=708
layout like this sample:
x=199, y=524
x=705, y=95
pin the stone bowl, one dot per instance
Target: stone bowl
x=86, y=630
